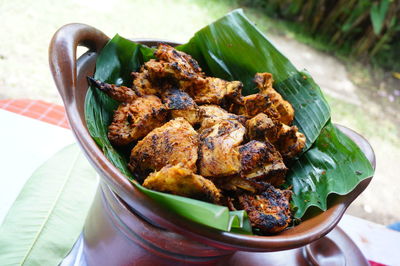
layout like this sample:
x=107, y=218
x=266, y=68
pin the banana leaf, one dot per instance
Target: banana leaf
x=48, y=215
x=233, y=48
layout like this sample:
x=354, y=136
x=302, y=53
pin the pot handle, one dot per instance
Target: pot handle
x=62, y=54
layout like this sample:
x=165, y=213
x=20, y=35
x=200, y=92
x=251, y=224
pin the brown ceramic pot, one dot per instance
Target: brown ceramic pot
x=124, y=225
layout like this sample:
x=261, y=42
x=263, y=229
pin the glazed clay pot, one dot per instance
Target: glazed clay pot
x=124, y=226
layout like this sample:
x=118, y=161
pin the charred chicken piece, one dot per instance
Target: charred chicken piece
x=134, y=120
x=291, y=142
x=174, y=142
x=211, y=114
x=261, y=127
x=135, y=117
x=268, y=211
x=238, y=184
x=143, y=84
x=119, y=93
x=181, y=105
x=211, y=90
x=261, y=161
x=183, y=182
x=218, y=151
x=264, y=82
x=181, y=60
x=286, y=139
x=258, y=103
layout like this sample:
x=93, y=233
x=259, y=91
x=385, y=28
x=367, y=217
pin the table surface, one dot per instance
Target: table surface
x=48, y=133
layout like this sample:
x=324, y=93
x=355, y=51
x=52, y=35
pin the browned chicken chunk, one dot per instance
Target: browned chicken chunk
x=182, y=61
x=135, y=117
x=261, y=127
x=264, y=83
x=236, y=183
x=211, y=90
x=174, y=142
x=269, y=211
x=218, y=154
x=183, y=182
x=291, y=142
x=261, y=161
x=119, y=93
x=181, y=105
x=286, y=139
x=258, y=103
x=143, y=84
x=211, y=114
x=133, y=121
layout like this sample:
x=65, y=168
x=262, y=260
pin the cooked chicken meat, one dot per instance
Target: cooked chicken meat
x=237, y=155
x=260, y=160
x=258, y=103
x=211, y=90
x=135, y=117
x=218, y=151
x=264, y=83
x=269, y=211
x=211, y=114
x=181, y=105
x=286, y=139
x=119, y=93
x=291, y=142
x=183, y=182
x=182, y=61
x=133, y=121
x=261, y=127
x=174, y=142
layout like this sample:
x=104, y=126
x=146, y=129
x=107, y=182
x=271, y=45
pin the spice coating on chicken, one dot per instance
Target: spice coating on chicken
x=143, y=84
x=119, y=93
x=258, y=103
x=218, y=151
x=261, y=161
x=183, y=182
x=181, y=105
x=133, y=121
x=291, y=142
x=211, y=90
x=269, y=211
x=211, y=114
x=264, y=82
x=286, y=139
x=174, y=142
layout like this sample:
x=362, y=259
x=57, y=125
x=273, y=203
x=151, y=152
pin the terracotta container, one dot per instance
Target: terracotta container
x=126, y=227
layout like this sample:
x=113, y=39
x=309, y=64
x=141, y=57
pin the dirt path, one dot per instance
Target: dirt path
x=27, y=27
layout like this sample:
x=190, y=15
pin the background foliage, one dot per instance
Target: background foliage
x=359, y=28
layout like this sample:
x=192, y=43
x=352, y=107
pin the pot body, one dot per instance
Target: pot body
x=115, y=235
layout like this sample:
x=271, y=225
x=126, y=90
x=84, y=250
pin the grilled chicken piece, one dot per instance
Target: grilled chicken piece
x=119, y=93
x=264, y=83
x=261, y=161
x=174, y=142
x=134, y=120
x=181, y=61
x=269, y=211
x=291, y=142
x=218, y=154
x=286, y=139
x=261, y=127
x=211, y=90
x=181, y=105
x=257, y=103
x=211, y=114
x=143, y=84
x=236, y=183
x=135, y=117
x=183, y=182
